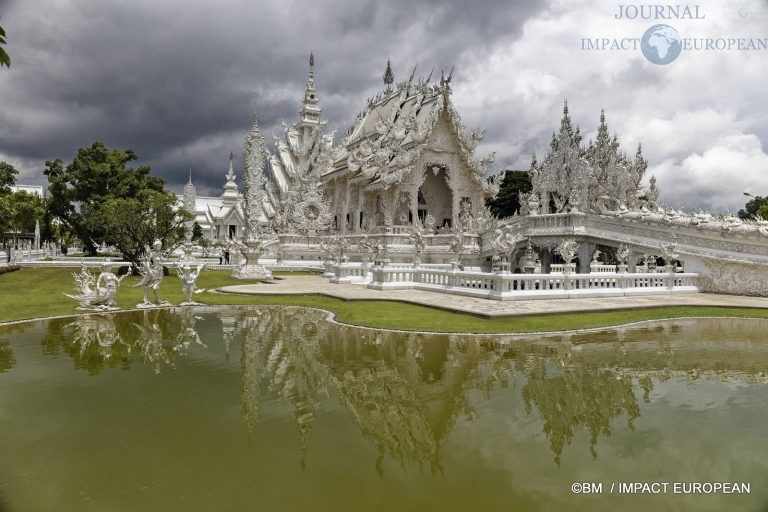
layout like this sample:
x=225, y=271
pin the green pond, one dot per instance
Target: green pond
x=273, y=408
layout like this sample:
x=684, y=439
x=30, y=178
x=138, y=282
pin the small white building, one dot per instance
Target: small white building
x=221, y=218
x=35, y=190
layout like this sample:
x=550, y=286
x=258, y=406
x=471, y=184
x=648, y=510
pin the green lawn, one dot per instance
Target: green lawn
x=35, y=293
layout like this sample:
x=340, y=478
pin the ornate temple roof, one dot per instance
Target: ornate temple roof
x=390, y=133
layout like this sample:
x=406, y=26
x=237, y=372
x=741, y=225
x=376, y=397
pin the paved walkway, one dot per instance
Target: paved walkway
x=303, y=285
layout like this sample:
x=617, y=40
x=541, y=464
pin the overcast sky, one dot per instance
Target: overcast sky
x=178, y=81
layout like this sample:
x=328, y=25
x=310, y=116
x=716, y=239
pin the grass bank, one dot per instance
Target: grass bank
x=35, y=293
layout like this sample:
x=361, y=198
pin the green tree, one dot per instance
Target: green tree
x=751, y=208
x=7, y=177
x=95, y=176
x=197, y=232
x=5, y=60
x=19, y=211
x=763, y=212
x=132, y=223
x=62, y=236
x=507, y=201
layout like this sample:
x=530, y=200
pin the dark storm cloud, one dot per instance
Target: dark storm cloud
x=178, y=81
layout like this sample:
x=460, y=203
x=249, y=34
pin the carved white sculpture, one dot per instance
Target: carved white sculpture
x=567, y=249
x=152, y=275
x=254, y=239
x=188, y=276
x=96, y=294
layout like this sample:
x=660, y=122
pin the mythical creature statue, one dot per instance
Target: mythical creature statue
x=96, y=293
x=381, y=256
x=669, y=252
x=366, y=247
x=622, y=253
x=419, y=242
x=188, y=276
x=567, y=249
x=152, y=272
x=457, y=245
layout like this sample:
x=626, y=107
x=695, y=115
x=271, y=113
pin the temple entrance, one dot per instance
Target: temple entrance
x=435, y=196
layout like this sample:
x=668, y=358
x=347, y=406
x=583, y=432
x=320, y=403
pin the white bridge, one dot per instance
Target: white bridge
x=727, y=255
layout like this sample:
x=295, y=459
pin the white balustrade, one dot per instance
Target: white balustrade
x=506, y=286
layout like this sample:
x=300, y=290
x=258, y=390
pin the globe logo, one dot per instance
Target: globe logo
x=661, y=44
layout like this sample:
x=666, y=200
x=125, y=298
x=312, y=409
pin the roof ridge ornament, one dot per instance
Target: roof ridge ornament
x=389, y=76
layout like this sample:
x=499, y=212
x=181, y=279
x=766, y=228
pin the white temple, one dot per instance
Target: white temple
x=405, y=190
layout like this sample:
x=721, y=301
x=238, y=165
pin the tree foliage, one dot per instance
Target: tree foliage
x=507, y=201
x=131, y=224
x=96, y=176
x=5, y=60
x=197, y=232
x=762, y=212
x=750, y=210
x=19, y=211
x=7, y=177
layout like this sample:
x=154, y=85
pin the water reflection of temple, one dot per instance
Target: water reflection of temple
x=406, y=392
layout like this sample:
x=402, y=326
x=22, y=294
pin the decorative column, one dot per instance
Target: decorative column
x=545, y=256
x=585, y=257
x=255, y=242
x=632, y=262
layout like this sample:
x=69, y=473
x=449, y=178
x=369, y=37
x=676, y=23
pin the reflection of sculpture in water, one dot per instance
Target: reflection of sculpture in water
x=187, y=334
x=7, y=359
x=188, y=277
x=96, y=294
x=94, y=342
x=157, y=347
x=152, y=275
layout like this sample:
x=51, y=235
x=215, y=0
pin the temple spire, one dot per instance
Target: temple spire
x=312, y=67
x=231, y=193
x=231, y=170
x=310, y=108
x=189, y=194
x=389, y=76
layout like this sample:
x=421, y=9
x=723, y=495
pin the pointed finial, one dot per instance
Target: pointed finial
x=311, y=68
x=413, y=73
x=190, y=175
x=231, y=169
x=602, y=116
x=389, y=77
x=565, y=107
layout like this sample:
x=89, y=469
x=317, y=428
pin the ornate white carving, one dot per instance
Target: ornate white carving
x=567, y=249
x=739, y=278
x=96, y=293
x=188, y=276
x=151, y=269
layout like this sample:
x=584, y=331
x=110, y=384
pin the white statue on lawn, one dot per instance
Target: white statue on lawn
x=188, y=276
x=152, y=272
x=96, y=294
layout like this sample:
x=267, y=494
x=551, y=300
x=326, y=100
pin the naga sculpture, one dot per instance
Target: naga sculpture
x=96, y=294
